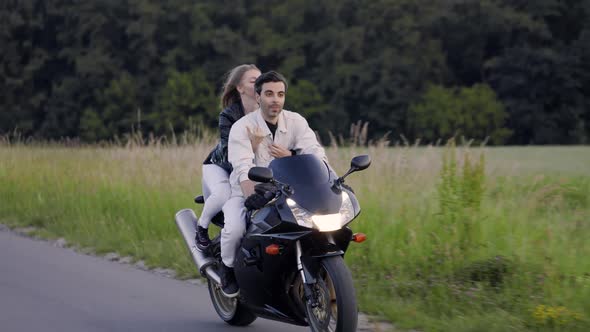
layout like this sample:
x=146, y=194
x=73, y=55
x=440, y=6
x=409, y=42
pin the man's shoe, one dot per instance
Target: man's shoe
x=202, y=238
x=229, y=285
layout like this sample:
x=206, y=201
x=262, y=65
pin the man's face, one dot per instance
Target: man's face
x=271, y=100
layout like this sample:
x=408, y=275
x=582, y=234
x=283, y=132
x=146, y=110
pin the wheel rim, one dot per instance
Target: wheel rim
x=324, y=316
x=226, y=306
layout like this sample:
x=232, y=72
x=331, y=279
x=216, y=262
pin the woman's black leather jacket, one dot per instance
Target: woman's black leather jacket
x=227, y=118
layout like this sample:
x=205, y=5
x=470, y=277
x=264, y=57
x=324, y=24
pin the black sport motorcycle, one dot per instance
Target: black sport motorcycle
x=289, y=266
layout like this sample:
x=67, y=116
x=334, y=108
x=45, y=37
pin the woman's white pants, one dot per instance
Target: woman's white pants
x=216, y=190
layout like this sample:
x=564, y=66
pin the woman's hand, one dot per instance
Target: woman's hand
x=278, y=151
x=256, y=137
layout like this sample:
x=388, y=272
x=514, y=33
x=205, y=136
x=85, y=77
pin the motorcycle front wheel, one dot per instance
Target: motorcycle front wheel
x=335, y=308
x=229, y=309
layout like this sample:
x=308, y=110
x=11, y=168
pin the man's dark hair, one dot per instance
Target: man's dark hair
x=269, y=76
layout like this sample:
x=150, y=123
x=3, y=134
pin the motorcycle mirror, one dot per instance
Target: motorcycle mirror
x=260, y=174
x=357, y=163
x=360, y=163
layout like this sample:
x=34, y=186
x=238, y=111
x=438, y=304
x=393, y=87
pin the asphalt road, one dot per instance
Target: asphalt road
x=45, y=288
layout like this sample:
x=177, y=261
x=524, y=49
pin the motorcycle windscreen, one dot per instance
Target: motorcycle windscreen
x=311, y=181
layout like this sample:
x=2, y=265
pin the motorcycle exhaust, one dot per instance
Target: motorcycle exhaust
x=186, y=221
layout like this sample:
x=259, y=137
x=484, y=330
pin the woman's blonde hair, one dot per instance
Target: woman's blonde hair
x=230, y=94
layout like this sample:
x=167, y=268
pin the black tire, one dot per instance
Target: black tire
x=334, y=282
x=229, y=309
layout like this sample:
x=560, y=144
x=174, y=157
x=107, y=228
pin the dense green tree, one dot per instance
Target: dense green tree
x=581, y=52
x=84, y=69
x=304, y=98
x=473, y=32
x=118, y=111
x=185, y=96
x=541, y=94
x=474, y=113
x=24, y=63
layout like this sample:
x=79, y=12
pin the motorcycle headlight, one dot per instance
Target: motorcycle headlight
x=325, y=222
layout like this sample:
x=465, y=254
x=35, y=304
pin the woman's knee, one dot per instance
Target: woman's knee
x=221, y=192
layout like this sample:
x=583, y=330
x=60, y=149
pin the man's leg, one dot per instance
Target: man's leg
x=231, y=234
x=235, y=226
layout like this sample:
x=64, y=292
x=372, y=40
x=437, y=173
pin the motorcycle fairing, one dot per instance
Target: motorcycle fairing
x=311, y=181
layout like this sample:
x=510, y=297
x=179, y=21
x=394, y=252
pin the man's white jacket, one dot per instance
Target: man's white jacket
x=293, y=133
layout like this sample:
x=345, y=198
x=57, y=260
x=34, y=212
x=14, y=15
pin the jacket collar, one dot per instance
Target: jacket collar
x=236, y=110
x=281, y=124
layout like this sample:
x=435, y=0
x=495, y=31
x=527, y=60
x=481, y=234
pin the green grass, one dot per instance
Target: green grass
x=501, y=248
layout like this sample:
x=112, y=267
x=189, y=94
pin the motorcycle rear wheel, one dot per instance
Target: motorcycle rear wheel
x=229, y=309
x=337, y=309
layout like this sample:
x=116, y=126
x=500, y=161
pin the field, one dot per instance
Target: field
x=459, y=239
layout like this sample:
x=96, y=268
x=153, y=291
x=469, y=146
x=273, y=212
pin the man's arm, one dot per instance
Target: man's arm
x=247, y=187
x=241, y=156
x=305, y=140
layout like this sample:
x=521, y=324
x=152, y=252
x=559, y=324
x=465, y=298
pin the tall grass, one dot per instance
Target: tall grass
x=460, y=239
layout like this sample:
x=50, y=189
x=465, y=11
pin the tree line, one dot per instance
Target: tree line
x=515, y=71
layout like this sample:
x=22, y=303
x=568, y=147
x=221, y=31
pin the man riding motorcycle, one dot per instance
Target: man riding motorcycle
x=283, y=131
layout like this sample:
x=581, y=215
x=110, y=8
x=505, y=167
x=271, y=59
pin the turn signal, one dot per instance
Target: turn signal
x=359, y=237
x=273, y=249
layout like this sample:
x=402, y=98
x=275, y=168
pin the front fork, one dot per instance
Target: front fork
x=308, y=279
x=307, y=276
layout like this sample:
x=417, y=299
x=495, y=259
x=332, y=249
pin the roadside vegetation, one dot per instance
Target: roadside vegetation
x=459, y=239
